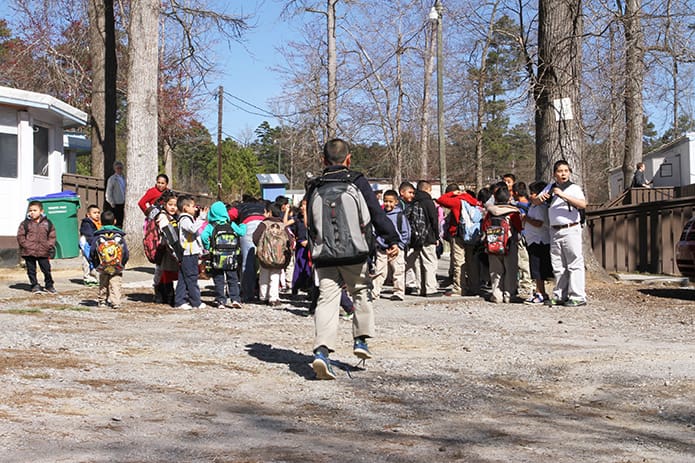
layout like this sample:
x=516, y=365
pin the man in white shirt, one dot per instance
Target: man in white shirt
x=115, y=192
x=566, y=199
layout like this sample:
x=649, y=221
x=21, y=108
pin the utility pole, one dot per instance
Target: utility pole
x=220, y=101
x=440, y=97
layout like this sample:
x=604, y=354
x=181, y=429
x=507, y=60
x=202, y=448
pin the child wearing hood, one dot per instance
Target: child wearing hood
x=219, y=224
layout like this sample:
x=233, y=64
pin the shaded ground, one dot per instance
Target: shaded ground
x=453, y=380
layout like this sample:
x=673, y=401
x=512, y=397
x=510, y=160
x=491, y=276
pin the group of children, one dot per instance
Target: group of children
x=499, y=236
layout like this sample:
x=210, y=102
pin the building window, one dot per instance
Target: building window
x=8, y=155
x=40, y=151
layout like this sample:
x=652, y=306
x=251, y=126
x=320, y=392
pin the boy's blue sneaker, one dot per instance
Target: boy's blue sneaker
x=322, y=366
x=361, y=350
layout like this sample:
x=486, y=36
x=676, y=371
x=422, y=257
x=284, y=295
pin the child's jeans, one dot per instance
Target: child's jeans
x=219, y=277
x=187, y=289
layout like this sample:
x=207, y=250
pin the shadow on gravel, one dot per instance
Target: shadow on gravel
x=141, y=297
x=149, y=270
x=21, y=286
x=298, y=363
x=684, y=294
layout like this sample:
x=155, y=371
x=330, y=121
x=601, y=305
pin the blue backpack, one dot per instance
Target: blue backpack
x=468, y=228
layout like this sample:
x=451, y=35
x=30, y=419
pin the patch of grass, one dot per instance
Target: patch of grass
x=32, y=310
x=37, y=376
x=75, y=308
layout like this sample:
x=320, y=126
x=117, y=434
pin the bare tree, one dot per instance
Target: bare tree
x=428, y=72
x=102, y=50
x=631, y=17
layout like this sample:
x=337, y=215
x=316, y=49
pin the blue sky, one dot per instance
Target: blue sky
x=245, y=69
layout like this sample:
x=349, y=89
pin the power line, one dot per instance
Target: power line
x=267, y=113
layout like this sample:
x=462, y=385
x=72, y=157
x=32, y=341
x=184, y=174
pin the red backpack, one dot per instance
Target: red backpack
x=497, y=235
x=151, y=240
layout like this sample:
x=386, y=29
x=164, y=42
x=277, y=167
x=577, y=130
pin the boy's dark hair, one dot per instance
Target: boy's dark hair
x=519, y=189
x=497, y=186
x=561, y=162
x=471, y=192
x=483, y=195
x=502, y=196
x=451, y=187
x=405, y=186
x=537, y=187
x=512, y=176
x=164, y=176
x=281, y=201
x=639, y=165
x=421, y=184
x=391, y=193
x=274, y=209
x=35, y=203
x=167, y=195
x=335, y=151
x=184, y=200
x=108, y=218
x=92, y=206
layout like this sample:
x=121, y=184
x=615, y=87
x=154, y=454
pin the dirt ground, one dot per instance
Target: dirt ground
x=452, y=380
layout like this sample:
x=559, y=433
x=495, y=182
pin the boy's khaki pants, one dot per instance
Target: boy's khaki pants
x=424, y=262
x=110, y=288
x=381, y=270
x=326, y=320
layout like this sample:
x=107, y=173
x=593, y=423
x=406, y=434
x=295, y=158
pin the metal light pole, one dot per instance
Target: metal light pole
x=436, y=14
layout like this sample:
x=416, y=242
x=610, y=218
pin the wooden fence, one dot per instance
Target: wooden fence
x=91, y=191
x=640, y=237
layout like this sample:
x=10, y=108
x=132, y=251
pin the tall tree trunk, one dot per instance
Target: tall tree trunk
x=143, y=71
x=558, y=134
x=634, y=75
x=426, y=101
x=332, y=95
x=102, y=38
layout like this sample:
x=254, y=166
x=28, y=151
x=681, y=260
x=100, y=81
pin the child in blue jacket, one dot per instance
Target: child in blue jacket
x=396, y=266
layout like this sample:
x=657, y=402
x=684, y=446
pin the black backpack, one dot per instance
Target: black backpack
x=225, y=248
x=419, y=228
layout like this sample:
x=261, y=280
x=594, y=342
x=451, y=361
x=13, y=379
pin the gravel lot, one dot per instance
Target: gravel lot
x=453, y=380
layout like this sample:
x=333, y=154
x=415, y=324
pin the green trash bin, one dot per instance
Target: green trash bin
x=61, y=209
